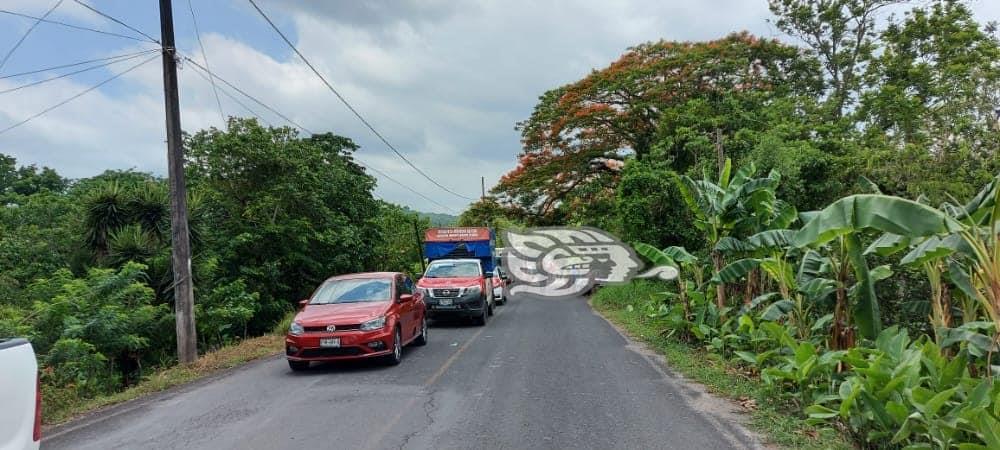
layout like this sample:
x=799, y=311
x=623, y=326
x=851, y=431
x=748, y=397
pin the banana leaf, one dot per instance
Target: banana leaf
x=655, y=255
x=880, y=212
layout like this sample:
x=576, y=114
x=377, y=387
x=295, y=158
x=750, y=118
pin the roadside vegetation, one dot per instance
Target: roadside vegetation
x=85, y=264
x=778, y=421
x=831, y=206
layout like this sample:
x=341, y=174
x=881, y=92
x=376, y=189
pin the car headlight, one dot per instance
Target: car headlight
x=425, y=291
x=374, y=324
x=296, y=329
x=471, y=290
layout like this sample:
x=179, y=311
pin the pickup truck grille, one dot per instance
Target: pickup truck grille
x=445, y=293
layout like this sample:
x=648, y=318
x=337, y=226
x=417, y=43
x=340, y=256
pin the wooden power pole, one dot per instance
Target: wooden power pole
x=187, y=339
x=482, y=182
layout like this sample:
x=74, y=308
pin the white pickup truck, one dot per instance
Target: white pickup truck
x=20, y=400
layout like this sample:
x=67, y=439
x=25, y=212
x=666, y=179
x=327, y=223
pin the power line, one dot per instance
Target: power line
x=24, y=36
x=106, y=16
x=243, y=93
x=63, y=66
x=36, y=83
x=269, y=108
x=204, y=55
x=78, y=95
x=350, y=107
x=234, y=99
x=76, y=27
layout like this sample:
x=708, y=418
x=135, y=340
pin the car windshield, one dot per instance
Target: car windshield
x=453, y=269
x=353, y=291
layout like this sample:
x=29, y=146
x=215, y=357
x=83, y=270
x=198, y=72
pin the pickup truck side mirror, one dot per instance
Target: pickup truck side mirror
x=303, y=303
x=403, y=298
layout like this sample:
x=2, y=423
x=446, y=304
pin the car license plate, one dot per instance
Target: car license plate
x=332, y=342
x=445, y=302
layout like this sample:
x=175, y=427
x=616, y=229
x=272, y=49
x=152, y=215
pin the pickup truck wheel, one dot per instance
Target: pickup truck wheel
x=422, y=339
x=481, y=319
x=298, y=366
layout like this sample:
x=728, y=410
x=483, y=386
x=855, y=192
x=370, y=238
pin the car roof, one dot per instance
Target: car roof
x=364, y=275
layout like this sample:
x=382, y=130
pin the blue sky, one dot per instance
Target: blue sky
x=444, y=81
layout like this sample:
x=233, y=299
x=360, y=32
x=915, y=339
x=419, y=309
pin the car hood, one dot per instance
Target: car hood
x=341, y=314
x=448, y=282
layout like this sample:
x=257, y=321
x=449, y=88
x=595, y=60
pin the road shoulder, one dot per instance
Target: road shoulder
x=164, y=384
x=714, y=387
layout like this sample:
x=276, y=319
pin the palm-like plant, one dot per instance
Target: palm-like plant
x=740, y=203
x=841, y=224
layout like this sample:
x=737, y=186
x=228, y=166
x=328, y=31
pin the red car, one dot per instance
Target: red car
x=362, y=315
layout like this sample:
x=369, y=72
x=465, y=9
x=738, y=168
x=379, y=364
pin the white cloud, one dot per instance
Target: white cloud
x=443, y=81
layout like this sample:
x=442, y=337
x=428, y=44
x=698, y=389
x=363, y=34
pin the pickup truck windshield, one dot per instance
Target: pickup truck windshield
x=353, y=291
x=453, y=269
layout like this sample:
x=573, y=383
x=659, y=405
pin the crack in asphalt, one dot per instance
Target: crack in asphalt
x=428, y=408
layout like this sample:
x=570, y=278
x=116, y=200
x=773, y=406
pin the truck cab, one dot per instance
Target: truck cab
x=458, y=281
x=21, y=414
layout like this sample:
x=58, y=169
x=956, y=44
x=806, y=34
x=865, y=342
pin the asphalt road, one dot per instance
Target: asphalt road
x=543, y=374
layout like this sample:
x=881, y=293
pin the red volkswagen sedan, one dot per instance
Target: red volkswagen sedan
x=362, y=315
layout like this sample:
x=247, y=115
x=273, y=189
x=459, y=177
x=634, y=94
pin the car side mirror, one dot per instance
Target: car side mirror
x=303, y=303
x=403, y=298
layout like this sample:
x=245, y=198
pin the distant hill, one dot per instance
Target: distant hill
x=437, y=219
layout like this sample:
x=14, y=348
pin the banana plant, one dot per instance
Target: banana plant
x=798, y=287
x=961, y=264
x=842, y=223
x=732, y=203
x=678, y=258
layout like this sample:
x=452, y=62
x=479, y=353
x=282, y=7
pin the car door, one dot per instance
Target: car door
x=406, y=309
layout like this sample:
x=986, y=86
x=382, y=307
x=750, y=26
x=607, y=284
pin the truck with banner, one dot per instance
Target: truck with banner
x=458, y=281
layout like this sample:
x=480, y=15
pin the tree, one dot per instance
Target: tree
x=283, y=212
x=577, y=134
x=842, y=34
x=930, y=110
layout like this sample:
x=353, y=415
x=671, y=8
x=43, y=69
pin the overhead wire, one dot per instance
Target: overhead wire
x=204, y=55
x=119, y=22
x=27, y=32
x=76, y=27
x=78, y=95
x=80, y=63
x=211, y=77
x=234, y=99
x=351, y=107
x=75, y=72
x=300, y=127
x=243, y=93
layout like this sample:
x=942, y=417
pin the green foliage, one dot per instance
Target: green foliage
x=650, y=208
x=286, y=212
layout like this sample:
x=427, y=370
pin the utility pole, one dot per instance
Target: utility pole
x=482, y=181
x=187, y=339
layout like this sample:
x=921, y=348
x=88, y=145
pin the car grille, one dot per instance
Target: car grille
x=321, y=352
x=445, y=293
x=322, y=328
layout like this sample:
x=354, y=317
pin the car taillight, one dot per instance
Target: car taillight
x=37, y=435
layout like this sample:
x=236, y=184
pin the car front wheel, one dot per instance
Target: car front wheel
x=396, y=356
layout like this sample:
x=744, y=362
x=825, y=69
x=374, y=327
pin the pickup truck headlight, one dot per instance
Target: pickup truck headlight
x=471, y=290
x=296, y=329
x=374, y=324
